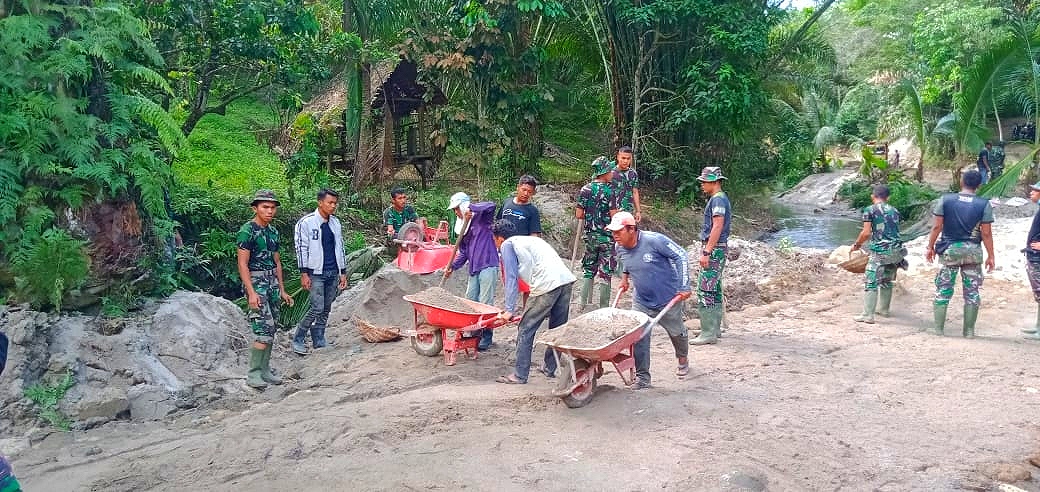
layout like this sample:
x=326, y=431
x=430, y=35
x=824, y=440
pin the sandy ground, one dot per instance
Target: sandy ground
x=796, y=397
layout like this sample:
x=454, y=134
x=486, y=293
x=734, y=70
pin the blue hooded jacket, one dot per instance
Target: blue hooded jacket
x=478, y=245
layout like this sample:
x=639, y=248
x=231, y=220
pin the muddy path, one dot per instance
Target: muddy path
x=795, y=397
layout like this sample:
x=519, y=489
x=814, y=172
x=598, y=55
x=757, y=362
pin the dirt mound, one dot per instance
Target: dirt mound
x=762, y=274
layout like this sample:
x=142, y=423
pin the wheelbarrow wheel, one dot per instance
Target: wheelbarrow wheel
x=429, y=343
x=582, y=394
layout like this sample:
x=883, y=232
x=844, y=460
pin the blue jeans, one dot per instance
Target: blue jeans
x=985, y=175
x=481, y=288
x=555, y=305
x=323, y=291
x=672, y=323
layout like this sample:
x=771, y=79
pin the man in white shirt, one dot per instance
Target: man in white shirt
x=534, y=261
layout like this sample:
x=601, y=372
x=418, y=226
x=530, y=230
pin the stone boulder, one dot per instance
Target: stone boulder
x=150, y=402
x=190, y=336
x=88, y=402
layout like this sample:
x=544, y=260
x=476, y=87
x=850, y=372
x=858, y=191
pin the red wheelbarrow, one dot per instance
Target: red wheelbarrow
x=438, y=328
x=580, y=367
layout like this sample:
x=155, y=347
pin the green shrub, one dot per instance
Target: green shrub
x=911, y=199
x=55, y=264
x=47, y=396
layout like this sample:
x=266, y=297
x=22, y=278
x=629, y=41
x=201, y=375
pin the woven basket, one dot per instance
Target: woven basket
x=375, y=334
x=856, y=263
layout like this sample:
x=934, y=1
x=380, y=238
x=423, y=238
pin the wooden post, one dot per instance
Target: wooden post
x=388, y=137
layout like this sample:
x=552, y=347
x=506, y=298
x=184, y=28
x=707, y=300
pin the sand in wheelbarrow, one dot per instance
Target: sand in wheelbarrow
x=441, y=298
x=594, y=329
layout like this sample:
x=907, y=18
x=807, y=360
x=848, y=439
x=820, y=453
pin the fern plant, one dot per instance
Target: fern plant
x=78, y=117
x=53, y=265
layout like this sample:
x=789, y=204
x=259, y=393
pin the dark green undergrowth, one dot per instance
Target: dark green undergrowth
x=911, y=199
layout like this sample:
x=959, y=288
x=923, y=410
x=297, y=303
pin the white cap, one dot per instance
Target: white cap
x=620, y=220
x=458, y=199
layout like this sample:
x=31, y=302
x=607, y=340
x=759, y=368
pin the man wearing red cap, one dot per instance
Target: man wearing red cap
x=659, y=269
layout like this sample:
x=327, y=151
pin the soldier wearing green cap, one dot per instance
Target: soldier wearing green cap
x=886, y=254
x=260, y=268
x=717, y=216
x=1032, y=251
x=597, y=202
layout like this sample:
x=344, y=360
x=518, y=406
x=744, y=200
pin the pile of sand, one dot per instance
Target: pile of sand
x=378, y=299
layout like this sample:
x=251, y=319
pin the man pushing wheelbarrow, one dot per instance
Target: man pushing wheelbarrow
x=660, y=271
x=534, y=261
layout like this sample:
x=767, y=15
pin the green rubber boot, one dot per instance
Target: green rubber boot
x=265, y=372
x=884, y=303
x=939, y=314
x=869, y=305
x=710, y=321
x=255, y=378
x=971, y=314
x=1035, y=330
x=604, y=295
x=586, y=291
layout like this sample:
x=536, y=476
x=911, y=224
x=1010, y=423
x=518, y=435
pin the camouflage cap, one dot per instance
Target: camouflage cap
x=600, y=166
x=264, y=196
x=710, y=174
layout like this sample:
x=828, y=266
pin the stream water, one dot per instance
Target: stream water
x=806, y=229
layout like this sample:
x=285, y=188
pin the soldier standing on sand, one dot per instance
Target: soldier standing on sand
x=659, y=269
x=965, y=220
x=1032, y=251
x=597, y=203
x=260, y=268
x=881, y=226
x=717, y=217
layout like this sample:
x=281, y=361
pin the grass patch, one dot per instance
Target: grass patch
x=47, y=396
x=223, y=152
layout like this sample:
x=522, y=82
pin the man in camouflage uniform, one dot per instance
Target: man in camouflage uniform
x=996, y=161
x=965, y=220
x=626, y=183
x=396, y=216
x=1032, y=252
x=596, y=204
x=260, y=268
x=881, y=226
x=718, y=214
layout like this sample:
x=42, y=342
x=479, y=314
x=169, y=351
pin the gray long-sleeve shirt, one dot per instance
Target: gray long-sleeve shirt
x=657, y=268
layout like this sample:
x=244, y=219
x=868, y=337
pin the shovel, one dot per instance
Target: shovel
x=455, y=249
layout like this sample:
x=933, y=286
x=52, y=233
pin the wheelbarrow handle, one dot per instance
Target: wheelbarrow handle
x=667, y=307
x=618, y=296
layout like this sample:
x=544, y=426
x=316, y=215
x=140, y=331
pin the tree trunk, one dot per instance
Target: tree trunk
x=996, y=116
x=198, y=103
x=616, y=93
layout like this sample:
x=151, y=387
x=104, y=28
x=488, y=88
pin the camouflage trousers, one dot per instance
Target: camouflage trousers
x=964, y=257
x=599, y=260
x=1033, y=272
x=881, y=268
x=709, y=289
x=263, y=321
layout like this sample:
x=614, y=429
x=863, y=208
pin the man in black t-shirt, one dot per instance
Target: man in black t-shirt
x=519, y=211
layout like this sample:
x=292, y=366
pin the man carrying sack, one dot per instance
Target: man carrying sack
x=886, y=255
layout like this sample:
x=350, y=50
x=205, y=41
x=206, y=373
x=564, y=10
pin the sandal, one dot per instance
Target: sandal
x=510, y=379
x=683, y=370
